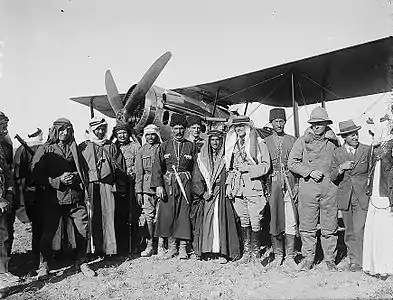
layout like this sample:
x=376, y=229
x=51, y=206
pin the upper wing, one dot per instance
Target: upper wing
x=350, y=72
x=99, y=102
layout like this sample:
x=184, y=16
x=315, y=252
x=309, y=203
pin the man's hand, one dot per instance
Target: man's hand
x=160, y=192
x=4, y=206
x=316, y=175
x=68, y=178
x=348, y=165
x=139, y=199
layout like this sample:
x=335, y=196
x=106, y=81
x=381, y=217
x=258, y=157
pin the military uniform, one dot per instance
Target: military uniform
x=316, y=199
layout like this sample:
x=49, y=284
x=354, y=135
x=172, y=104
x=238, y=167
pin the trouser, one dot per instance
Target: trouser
x=290, y=220
x=10, y=220
x=121, y=220
x=354, y=221
x=318, y=200
x=77, y=214
x=34, y=213
x=3, y=243
x=250, y=210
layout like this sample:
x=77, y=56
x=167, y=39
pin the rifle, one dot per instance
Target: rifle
x=24, y=144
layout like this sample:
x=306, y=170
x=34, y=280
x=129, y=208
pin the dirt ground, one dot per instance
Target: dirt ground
x=147, y=278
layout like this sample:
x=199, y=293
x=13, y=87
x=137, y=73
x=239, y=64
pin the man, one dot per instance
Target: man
x=194, y=124
x=171, y=177
x=28, y=190
x=349, y=171
x=6, y=202
x=145, y=194
x=59, y=167
x=6, y=144
x=104, y=161
x=282, y=213
x=126, y=209
x=310, y=158
x=216, y=228
x=247, y=160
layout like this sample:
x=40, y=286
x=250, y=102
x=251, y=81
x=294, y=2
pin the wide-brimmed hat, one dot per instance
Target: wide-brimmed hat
x=236, y=120
x=319, y=114
x=347, y=126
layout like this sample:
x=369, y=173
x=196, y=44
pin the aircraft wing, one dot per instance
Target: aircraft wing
x=100, y=103
x=350, y=72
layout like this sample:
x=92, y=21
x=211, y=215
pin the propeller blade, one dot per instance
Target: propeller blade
x=114, y=98
x=139, y=92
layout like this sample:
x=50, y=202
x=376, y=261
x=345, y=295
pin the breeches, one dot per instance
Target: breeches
x=250, y=210
x=149, y=207
x=318, y=201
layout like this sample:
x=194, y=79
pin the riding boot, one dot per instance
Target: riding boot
x=246, y=239
x=172, y=250
x=290, y=253
x=149, y=247
x=277, y=244
x=255, y=245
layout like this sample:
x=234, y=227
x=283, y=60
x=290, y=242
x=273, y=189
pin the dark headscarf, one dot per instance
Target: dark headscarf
x=58, y=125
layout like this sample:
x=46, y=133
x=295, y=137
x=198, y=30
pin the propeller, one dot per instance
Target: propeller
x=143, y=86
x=114, y=97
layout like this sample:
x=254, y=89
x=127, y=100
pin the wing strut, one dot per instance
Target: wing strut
x=91, y=107
x=295, y=108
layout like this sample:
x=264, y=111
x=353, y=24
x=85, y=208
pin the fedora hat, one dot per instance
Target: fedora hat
x=347, y=126
x=319, y=114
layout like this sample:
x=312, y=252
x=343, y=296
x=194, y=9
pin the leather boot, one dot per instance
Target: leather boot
x=171, y=248
x=277, y=251
x=149, y=247
x=246, y=239
x=255, y=245
x=182, y=250
x=289, y=262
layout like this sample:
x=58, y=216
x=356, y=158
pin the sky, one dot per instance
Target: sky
x=51, y=50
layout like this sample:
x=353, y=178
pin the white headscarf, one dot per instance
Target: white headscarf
x=151, y=128
x=93, y=125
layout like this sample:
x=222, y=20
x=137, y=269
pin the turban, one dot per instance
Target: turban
x=192, y=120
x=97, y=122
x=178, y=119
x=277, y=113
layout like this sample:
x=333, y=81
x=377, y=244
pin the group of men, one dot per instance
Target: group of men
x=206, y=197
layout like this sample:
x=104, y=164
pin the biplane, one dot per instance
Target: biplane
x=355, y=71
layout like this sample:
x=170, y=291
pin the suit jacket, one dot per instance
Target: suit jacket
x=351, y=181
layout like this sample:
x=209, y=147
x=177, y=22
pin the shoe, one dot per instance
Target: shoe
x=355, y=268
x=306, y=265
x=86, y=270
x=171, y=249
x=331, y=266
x=43, y=271
x=7, y=278
x=149, y=249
